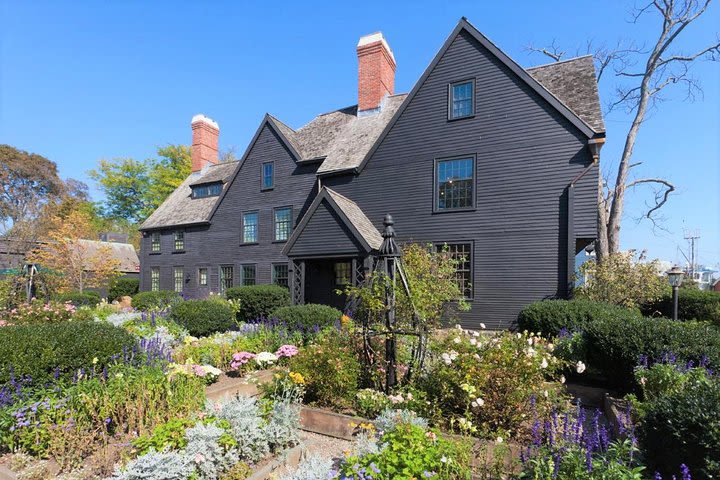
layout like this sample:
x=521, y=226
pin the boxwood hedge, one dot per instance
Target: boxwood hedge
x=79, y=299
x=258, y=301
x=156, y=300
x=693, y=304
x=308, y=317
x=203, y=317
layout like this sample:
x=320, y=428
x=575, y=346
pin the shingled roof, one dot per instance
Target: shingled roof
x=181, y=209
x=573, y=82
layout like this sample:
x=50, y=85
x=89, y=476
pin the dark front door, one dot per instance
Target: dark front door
x=323, y=278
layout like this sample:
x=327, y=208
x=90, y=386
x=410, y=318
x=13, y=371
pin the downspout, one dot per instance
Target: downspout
x=594, y=144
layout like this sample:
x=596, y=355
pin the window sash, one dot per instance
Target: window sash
x=178, y=278
x=226, y=277
x=462, y=252
x=249, y=274
x=455, y=183
x=267, y=175
x=203, y=276
x=343, y=273
x=283, y=221
x=461, y=98
x=155, y=242
x=250, y=227
x=179, y=241
x=204, y=191
x=280, y=275
x=154, y=279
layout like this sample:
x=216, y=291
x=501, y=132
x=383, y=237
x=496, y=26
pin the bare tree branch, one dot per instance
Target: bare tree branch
x=552, y=51
x=661, y=195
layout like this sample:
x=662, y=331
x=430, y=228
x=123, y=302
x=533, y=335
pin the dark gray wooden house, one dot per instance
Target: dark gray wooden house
x=496, y=161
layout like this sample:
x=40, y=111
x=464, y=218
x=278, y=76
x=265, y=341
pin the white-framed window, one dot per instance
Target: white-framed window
x=155, y=279
x=178, y=279
x=179, y=240
x=155, y=242
x=283, y=223
x=250, y=227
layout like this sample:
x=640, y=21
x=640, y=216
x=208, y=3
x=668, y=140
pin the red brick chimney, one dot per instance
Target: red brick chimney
x=376, y=71
x=204, y=142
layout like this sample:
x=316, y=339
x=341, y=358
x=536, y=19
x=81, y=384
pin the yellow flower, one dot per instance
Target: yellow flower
x=345, y=320
x=297, y=378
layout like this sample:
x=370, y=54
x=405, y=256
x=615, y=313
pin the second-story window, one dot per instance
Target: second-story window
x=268, y=175
x=461, y=99
x=283, y=223
x=179, y=240
x=155, y=242
x=455, y=179
x=250, y=227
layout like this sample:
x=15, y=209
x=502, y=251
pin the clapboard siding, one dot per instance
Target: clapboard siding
x=325, y=234
x=220, y=242
x=526, y=155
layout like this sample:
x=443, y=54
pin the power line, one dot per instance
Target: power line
x=693, y=238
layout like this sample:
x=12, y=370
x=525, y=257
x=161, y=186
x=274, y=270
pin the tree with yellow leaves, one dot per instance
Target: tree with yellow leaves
x=79, y=262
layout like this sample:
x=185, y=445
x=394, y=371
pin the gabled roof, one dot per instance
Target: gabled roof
x=123, y=253
x=349, y=212
x=181, y=209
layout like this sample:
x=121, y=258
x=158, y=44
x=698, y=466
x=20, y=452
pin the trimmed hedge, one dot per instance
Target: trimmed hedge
x=79, y=299
x=258, y=301
x=123, y=287
x=684, y=428
x=203, y=317
x=613, y=345
x=549, y=317
x=307, y=318
x=692, y=305
x=158, y=300
x=37, y=350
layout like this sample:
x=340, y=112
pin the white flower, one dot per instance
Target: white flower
x=265, y=357
x=580, y=367
x=482, y=325
x=444, y=459
x=544, y=363
x=518, y=335
x=643, y=380
x=457, y=340
x=551, y=347
x=530, y=352
x=473, y=341
x=530, y=341
x=209, y=369
x=396, y=398
x=477, y=356
x=475, y=333
x=545, y=393
x=477, y=403
x=446, y=358
x=499, y=440
x=409, y=396
x=458, y=326
x=562, y=378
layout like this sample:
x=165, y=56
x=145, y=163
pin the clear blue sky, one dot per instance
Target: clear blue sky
x=81, y=81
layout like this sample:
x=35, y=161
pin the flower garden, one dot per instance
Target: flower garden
x=92, y=391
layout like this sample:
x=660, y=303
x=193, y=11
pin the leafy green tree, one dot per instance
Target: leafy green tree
x=167, y=173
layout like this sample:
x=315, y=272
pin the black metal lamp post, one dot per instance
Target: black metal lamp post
x=675, y=276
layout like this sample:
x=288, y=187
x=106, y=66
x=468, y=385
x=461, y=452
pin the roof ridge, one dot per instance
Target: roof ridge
x=281, y=122
x=558, y=62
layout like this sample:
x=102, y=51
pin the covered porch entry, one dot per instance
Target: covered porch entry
x=332, y=246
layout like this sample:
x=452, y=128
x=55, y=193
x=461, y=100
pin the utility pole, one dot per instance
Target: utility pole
x=692, y=238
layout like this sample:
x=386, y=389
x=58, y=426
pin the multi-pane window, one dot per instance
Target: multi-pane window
x=209, y=190
x=155, y=242
x=461, y=99
x=179, y=240
x=283, y=223
x=155, y=279
x=178, y=278
x=226, y=277
x=248, y=274
x=343, y=273
x=462, y=254
x=455, y=182
x=268, y=173
x=203, y=276
x=280, y=274
x=250, y=227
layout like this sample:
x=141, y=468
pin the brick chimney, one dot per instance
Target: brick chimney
x=204, y=142
x=376, y=71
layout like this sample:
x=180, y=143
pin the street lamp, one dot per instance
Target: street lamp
x=675, y=276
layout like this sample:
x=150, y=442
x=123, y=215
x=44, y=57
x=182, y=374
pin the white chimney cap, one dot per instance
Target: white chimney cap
x=373, y=38
x=200, y=118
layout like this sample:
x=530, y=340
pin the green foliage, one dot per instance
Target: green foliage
x=692, y=305
x=614, y=345
x=330, y=369
x=549, y=317
x=258, y=301
x=411, y=452
x=484, y=385
x=308, y=317
x=40, y=312
x=167, y=173
x=123, y=286
x=369, y=403
x=159, y=300
x=169, y=435
x=622, y=279
x=203, y=317
x=684, y=427
x=239, y=471
x=37, y=350
x=87, y=298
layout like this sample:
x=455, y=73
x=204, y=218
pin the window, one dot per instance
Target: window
x=208, y=190
x=248, y=274
x=461, y=101
x=155, y=242
x=268, y=173
x=178, y=278
x=226, y=277
x=455, y=183
x=462, y=253
x=280, y=274
x=203, y=276
x=283, y=223
x=250, y=227
x=343, y=273
x=155, y=279
x=179, y=241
